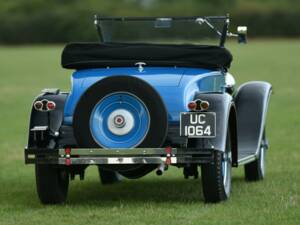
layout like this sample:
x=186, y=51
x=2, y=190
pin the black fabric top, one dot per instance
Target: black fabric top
x=96, y=55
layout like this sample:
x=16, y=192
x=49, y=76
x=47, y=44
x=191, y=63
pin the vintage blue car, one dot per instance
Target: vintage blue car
x=153, y=93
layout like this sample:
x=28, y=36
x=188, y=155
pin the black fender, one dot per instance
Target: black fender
x=252, y=101
x=223, y=105
x=52, y=119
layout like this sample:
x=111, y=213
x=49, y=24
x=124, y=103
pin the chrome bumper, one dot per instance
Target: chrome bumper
x=169, y=156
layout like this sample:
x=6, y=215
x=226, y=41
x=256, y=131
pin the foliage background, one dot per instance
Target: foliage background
x=60, y=21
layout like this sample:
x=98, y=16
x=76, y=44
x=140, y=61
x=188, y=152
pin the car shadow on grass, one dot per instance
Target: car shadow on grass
x=156, y=190
x=134, y=191
x=130, y=192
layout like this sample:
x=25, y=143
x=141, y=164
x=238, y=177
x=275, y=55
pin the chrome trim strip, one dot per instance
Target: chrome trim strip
x=247, y=159
x=117, y=152
x=117, y=160
x=119, y=156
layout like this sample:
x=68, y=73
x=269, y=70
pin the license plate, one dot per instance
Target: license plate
x=198, y=125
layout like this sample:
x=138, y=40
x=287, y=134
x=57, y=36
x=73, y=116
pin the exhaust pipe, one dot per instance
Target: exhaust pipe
x=160, y=169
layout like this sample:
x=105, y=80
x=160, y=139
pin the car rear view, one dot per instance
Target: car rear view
x=152, y=93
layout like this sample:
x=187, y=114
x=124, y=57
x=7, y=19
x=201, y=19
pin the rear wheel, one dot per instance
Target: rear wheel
x=255, y=170
x=216, y=177
x=52, y=184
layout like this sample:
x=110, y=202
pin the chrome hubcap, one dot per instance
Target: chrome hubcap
x=120, y=122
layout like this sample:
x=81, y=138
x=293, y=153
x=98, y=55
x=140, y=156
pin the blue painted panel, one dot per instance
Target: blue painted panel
x=176, y=86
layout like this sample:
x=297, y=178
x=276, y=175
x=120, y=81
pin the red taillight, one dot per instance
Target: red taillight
x=50, y=105
x=192, y=105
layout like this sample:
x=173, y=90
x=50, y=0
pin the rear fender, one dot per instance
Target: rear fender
x=252, y=101
x=223, y=106
x=53, y=119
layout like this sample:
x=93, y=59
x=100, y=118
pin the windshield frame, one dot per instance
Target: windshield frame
x=202, y=19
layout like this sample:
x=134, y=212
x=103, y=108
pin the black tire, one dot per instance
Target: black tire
x=108, y=176
x=216, y=180
x=159, y=118
x=52, y=184
x=255, y=170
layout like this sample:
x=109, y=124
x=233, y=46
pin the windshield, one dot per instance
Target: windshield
x=180, y=30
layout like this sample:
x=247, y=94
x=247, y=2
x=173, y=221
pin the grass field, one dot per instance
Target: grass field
x=168, y=199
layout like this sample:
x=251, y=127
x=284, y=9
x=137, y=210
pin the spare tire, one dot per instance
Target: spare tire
x=121, y=112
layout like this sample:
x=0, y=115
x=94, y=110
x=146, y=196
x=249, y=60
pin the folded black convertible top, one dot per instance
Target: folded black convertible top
x=96, y=55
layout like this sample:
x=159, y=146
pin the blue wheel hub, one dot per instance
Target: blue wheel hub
x=119, y=120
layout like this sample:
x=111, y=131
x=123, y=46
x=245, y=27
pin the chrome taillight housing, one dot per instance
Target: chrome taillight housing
x=44, y=105
x=198, y=105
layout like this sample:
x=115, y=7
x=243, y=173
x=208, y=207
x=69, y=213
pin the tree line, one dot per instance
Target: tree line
x=60, y=21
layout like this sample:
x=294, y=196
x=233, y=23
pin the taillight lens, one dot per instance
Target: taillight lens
x=204, y=105
x=192, y=105
x=198, y=105
x=44, y=105
x=51, y=105
x=38, y=105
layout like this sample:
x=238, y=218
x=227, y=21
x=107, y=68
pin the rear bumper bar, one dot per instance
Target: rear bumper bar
x=169, y=156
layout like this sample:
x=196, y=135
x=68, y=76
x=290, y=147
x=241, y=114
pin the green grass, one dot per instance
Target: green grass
x=168, y=199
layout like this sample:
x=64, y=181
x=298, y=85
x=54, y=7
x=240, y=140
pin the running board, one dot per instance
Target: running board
x=244, y=159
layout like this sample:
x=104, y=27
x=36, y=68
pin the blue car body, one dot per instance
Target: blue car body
x=176, y=86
